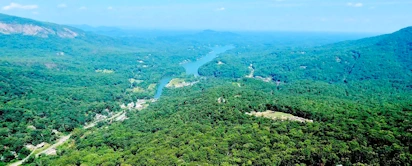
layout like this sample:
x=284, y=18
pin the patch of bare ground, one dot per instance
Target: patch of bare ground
x=279, y=116
x=179, y=83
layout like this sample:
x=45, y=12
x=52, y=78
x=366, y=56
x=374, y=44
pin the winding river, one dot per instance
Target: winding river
x=163, y=82
x=192, y=68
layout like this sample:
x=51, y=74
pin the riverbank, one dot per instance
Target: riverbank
x=191, y=68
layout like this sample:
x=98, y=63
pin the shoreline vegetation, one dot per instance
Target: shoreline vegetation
x=270, y=99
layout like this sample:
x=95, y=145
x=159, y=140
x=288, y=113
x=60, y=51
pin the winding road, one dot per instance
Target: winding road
x=64, y=139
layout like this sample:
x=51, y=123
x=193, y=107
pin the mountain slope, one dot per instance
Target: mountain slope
x=10, y=25
x=190, y=126
x=48, y=83
x=51, y=85
x=357, y=93
x=382, y=57
x=20, y=34
x=359, y=108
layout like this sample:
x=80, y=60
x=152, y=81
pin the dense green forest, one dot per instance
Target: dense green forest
x=63, y=92
x=386, y=57
x=53, y=83
x=189, y=126
x=361, y=120
x=357, y=93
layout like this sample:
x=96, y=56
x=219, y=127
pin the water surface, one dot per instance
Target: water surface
x=162, y=83
x=193, y=67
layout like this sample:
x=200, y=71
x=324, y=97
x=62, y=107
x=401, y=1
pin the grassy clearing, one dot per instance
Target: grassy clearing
x=138, y=90
x=175, y=82
x=151, y=87
x=105, y=71
x=278, y=116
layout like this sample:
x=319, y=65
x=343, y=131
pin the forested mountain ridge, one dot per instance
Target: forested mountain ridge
x=401, y=43
x=355, y=94
x=360, y=106
x=380, y=57
x=51, y=84
x=46, y=87
x=385, y=57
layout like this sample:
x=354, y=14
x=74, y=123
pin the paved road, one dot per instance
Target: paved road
x=62, y=140
x=22, y=161
x=112, y=117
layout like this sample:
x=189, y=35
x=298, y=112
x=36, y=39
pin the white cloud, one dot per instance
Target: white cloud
x=221, y=9
x=62, y=5
x=83, y=8
x=354, y=4
x=109, y=8
x=19, y=6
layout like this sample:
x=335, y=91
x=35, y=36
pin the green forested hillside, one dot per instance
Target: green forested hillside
x=53, y=83
x=63, y=92
x=189, y=126
x=386, y=57
x=360, y=106
x=356, y=96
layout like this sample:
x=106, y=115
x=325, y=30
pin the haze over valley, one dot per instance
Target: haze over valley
x=283, y=82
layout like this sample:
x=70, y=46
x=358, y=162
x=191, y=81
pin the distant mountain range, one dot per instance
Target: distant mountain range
x=55, y=79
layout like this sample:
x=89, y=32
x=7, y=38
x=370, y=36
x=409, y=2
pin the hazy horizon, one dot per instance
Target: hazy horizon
x=362, y=16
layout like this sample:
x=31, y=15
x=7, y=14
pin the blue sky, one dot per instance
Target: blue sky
x=381, y=16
